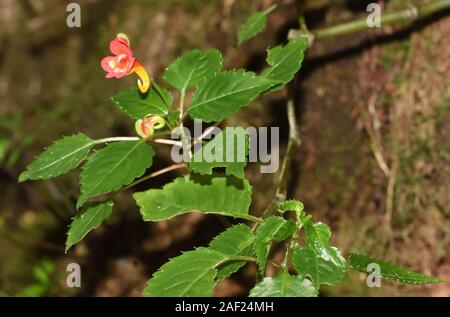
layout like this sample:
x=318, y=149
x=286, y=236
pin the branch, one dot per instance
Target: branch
x=410, y=14
x=293, y=144
x=391, y=192
x=372, y=128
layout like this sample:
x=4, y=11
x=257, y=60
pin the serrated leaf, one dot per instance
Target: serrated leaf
x=317, y=232
x=272, y=229
x=252, y=26
x=172, y=119
x=114, y=166
x=237, y=240
x=318, y=260
x=225, y=270
x=284, y=285
x=90, y=218
x=136, y=105
x=190, y=274
x=323, y=265
x=293, y=205
x=59, y=158
x=390, y=271
x=285, y=231
x=193, y=67
x=218, y=194
x=194, y=273
x=229, y=149
x=285, y=61
x=234, y=240
x=226, y=92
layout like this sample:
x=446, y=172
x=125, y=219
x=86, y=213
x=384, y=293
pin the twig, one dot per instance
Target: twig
x=205, y=134
x=374, y=136
x=391, y=192
x=166, y=141
x=117, y=139
x=293, y=144
x=270, y=9
x=132, y=138
x=154, y=174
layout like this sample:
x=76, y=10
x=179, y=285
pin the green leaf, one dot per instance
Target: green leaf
x=225, y=93
x=390, y=271
x=114, y=166
x=317, y=232
x=156, y=102
x=285, y=61
x=90, y=218
x=192, y=68
x=4, y=144
x=236, y=241
x=194, y=273
x=218, y=194
x=284, y=285
x=293, y=205
x=190, y=274
x=172, y=119
x=323, y=265
x=318, y=260
x=43, y=270
x=272, y=229
x=33, y=290
x=230, y=267
x=59, y=158
x=252, y=26
x=229, y=149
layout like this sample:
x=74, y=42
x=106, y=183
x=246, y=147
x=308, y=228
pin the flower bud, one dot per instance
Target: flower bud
x=146, y=127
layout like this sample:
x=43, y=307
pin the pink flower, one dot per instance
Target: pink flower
x=123, y=62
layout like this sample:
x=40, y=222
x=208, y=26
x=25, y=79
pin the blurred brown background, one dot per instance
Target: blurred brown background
x=382, y=94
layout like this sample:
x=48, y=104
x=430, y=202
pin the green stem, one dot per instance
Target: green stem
x=293, y=144
x=235, y=258
x=185, y=146
x=410, y=14
x=253, y=218
x=242, y=258
x=181, y=106
x=270, y=9
x=154, y=174
x=302, y=23
x=287, y=255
